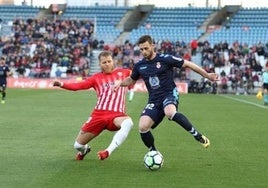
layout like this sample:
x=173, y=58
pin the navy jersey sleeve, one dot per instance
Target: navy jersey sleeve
x=173, y=60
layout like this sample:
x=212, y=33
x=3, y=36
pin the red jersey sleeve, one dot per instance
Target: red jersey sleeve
x=81, y=85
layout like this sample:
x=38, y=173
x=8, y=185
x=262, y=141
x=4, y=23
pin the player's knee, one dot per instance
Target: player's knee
x=170, y=111
x=144, y=128
x=128, y=122
x=170, y=115
x=145, y=124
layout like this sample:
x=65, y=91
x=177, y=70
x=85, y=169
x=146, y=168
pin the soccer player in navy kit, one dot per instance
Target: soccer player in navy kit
x=4, y=73
x=157, y=72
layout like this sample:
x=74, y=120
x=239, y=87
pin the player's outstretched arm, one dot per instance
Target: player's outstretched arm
x=125, y=83
x=201, y=71
x=73, y=86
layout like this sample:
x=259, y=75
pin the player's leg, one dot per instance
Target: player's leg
x=151, y=116
x=125, y=125
x=145, y=124
x=172, y=114
x=131, y=94
x=81, y=144
x=90, y=129
x=265, y=93
x=3, y=92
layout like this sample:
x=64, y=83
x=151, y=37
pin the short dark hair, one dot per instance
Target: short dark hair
x=2, y=58
x=105, y=54
x=145, y=38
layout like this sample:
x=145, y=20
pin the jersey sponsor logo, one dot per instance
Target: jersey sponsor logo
x=107, y=84
x=154, y=82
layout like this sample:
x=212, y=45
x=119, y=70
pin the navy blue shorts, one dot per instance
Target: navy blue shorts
x=156, y=110
x=265, y=86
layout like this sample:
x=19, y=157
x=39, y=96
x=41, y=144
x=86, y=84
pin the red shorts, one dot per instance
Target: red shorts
x=100, y=120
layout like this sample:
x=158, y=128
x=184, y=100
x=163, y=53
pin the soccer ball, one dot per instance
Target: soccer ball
x=153, y=160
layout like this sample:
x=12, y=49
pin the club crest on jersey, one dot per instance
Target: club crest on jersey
x=120, y=74
x=158, y=65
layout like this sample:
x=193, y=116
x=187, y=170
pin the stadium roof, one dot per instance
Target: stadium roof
x=159, y=3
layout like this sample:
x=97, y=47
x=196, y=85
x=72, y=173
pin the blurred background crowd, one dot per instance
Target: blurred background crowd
x=64, y=48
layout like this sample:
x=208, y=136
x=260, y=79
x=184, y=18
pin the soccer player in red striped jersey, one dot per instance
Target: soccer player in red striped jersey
x=110, y=110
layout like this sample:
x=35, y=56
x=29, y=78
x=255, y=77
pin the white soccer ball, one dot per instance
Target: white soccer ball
x=153, y=160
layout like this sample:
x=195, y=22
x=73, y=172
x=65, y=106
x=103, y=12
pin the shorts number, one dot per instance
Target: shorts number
x=149, y=106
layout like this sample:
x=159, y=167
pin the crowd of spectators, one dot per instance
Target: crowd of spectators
x=239, y=66
x=39, y=45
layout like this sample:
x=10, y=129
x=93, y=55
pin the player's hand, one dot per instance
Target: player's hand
x=213, y=77
x=57, y=83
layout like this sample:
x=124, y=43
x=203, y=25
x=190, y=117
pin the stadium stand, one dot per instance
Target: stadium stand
x=104, y=17
x=11, y=12
x=232, y=40
x=173, y=24
x=249, y=25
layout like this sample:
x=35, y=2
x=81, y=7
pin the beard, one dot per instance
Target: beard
x=149, y=55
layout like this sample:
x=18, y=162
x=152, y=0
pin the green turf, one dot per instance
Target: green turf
x=38, y=128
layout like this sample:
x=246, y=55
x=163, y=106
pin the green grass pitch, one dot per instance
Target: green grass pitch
x=38, y=128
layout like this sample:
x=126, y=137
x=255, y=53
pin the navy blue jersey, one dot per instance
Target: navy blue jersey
x=158, y=75
x=3, y=74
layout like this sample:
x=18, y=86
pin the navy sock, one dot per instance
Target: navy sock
x=3, y=95
x=186, y=124
x=148, y=140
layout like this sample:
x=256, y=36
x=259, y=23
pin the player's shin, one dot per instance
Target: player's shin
x=148, y=139
x=186, y=124
x=121, y=135
x=3, y=95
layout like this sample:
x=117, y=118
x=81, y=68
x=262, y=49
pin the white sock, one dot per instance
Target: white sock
x=80, y=147
x=131, y=95
x=121, y=135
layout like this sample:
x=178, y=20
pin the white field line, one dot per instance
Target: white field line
x=244, y=101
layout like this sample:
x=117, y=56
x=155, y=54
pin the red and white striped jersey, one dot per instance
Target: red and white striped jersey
x=102, y=83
